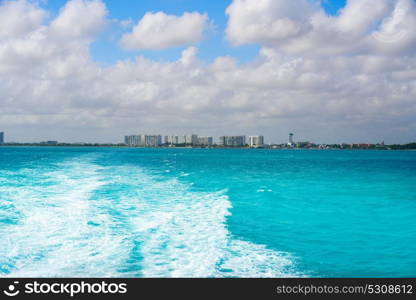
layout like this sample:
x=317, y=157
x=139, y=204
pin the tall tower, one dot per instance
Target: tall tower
x=291, y=142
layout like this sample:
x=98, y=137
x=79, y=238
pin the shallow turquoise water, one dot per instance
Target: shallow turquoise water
x=105, y=212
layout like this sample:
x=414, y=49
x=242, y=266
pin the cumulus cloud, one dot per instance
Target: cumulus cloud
x=50, y=47
x=10, y=26
x=159, y=31
x=301, y=27
x=364, y=90
x=80, y=19
x=268, y=21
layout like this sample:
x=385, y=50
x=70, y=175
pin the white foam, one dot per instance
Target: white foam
x=53, y=238
x=245, y=259
x=64, y=232
x=184, y=234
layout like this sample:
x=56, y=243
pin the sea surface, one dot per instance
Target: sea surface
x=119, y=212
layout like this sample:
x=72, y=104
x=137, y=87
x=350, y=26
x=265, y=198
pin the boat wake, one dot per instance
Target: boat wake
x=88, y=220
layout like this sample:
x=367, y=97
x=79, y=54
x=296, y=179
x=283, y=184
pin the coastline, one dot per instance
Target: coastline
x=198, y=147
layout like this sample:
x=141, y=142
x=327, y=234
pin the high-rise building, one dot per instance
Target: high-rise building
x=152, y=140
x=191, y=139
x=143, y=140
x=1, y=138
x=291, y=142
x=256, y=141
x=181, y=140
x=188, y=139
x=194, y=140
x=132, y=140
x=232, y=141
x=173, y=140
x=205, y=141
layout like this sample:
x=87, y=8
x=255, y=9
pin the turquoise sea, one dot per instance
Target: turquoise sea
x=118, y=212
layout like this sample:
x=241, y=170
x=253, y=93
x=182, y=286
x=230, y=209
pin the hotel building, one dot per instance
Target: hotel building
x=152, y=140
x=232, y=141
x=256, y=141
x=205, y=141
x=181, y=140
x=143, y=140
x=132, y=140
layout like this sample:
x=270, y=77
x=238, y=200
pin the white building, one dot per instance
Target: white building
x=256, y=141
x=168, y=139
x=132, y=140
x=181, y=139
x=232, y=141
x=152, y=140
x=194, y=139
x=291, y=142
x=143, y=140
x=205, y=141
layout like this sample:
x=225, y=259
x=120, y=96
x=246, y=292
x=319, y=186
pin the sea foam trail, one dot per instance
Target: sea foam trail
x=183, y=233
x=122, y=221
x=53, y=236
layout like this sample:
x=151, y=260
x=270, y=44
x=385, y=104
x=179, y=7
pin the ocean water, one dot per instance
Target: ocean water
x=108, y=212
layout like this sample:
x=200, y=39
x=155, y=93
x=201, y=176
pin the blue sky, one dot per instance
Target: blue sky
x=106, y=50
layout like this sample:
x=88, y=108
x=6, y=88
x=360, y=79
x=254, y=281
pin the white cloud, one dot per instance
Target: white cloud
x=301, y=27
x=159, y=30
x=80, y=19
x=189, y=55
x=11, y=26
x=41, y=46
x=268, y=20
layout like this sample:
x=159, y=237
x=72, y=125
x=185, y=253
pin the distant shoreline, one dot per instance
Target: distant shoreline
x=385, y=148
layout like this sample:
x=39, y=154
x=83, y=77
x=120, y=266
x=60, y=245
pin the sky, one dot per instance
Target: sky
x=330, y=71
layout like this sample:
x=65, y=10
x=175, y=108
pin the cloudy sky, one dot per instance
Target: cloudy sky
x=95, y=70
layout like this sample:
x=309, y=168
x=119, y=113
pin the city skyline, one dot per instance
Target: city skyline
x=90, y=70
x=157, y=140
x=271, y=139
